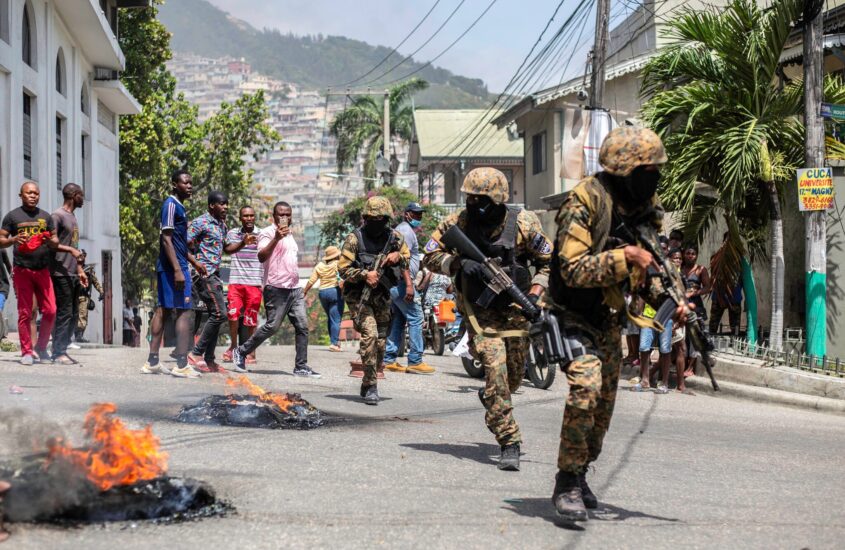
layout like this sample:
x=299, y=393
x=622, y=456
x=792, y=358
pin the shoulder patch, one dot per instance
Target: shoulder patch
x=431, y=245
x=541, y=244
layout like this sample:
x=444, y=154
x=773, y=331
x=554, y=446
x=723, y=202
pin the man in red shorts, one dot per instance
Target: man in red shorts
x=245, y=280
x=32, y=232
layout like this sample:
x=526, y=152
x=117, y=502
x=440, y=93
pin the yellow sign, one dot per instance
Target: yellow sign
x=815, y=189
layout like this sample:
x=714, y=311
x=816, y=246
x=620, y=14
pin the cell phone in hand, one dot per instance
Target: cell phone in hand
x=284, y=222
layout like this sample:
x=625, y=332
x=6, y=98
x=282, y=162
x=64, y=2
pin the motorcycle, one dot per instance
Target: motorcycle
x=537, y=368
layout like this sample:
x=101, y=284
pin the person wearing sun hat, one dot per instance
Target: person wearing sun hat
x=330, y=292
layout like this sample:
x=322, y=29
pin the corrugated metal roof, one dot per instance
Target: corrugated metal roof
x=462, y=133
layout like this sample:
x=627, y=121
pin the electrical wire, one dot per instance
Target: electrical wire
x=393, y=51
x=449, y=47
x=415, y=52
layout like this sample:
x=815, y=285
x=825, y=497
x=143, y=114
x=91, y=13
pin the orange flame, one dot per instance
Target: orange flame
x=118, y=455
x=280, y=401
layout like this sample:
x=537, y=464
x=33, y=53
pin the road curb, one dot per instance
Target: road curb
x=768, y=395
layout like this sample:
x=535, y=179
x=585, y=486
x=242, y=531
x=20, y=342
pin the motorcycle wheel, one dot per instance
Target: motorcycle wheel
x=438, y=339
x=541, y=374
x=473, y=367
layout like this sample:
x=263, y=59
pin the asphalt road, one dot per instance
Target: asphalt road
x=419, y=470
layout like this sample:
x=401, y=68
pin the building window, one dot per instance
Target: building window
x=4, y=21
x=27, y=136
x=61, y=83
x=60, y=172
x=538, y=153
x=84, y=101
x=105, y=117
x=86, y=168
x=27, y=38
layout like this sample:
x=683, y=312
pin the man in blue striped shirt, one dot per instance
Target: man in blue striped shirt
x=174, y=280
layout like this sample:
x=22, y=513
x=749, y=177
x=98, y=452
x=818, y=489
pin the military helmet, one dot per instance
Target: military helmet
x=487, y=181
x=377, y=207
x=628, y=147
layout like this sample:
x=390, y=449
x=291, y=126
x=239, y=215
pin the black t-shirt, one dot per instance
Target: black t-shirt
x=30, y=223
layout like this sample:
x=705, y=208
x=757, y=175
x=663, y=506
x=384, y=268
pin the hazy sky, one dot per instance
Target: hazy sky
x=491, y=51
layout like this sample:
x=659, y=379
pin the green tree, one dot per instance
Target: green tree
x=732, y=127
x=361, y=125
x=168, y=135
x=339, y=224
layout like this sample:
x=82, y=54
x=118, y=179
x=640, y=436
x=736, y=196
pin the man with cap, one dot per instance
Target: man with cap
x=330, y=297
x=405, y=309
x=499, y=331
x=358, y=257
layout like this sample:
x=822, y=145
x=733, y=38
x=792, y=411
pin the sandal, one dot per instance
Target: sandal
x=65, y=360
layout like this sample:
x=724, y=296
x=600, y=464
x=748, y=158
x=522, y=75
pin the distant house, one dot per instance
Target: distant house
x=448, y=143
x=60, y=99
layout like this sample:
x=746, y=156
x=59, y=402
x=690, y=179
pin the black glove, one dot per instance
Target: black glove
x=472, y=269
x=102, y=297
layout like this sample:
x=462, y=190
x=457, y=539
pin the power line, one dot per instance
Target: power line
x=449, y=47
x=440, y=28
x=393, y=51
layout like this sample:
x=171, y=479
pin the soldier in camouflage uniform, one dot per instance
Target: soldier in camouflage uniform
x=356, y=267
x=84, y=298
x=590, y=267
x=498, y=333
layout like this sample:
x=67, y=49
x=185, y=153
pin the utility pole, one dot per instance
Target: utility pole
x=386, y=138
x=815, y=221
x=387, y=134
x=599, y=54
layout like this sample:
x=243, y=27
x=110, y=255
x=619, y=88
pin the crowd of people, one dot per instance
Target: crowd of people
x=385, y=281
x=48, y=269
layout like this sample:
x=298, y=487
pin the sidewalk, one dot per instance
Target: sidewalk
x=759, y=381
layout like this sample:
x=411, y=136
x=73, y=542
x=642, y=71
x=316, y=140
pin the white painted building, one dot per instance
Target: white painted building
x=60, y=98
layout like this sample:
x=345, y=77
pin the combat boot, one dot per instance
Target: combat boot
x=567, y=499
x=591, y=501
x=509, y=461
x=370, y=395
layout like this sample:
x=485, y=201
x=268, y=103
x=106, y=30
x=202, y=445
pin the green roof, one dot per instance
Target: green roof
x=463, y=133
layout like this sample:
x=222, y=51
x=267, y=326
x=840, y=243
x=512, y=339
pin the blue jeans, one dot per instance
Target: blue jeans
x=333, y=306
x=403, y=312
x=647, y=338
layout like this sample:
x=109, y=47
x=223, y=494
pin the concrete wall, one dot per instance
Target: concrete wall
x=98, y=219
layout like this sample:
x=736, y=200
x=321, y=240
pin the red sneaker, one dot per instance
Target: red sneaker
x=198, y=363
x=227, y=356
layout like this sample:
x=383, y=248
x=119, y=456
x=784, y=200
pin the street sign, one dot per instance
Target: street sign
x=831, y=110
x=815, y=189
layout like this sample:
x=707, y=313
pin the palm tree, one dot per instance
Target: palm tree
x=732, y=126
x=361, y=125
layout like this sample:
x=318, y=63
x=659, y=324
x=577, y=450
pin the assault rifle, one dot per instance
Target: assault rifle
x=646, y=236
x=495, y=277
x=378, y=267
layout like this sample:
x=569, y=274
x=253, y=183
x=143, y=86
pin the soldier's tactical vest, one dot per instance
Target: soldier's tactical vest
x=504, y=250
x=368, y=251
x=593, y=305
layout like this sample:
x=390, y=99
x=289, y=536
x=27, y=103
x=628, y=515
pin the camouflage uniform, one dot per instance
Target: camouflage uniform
x=373, y=322
x=592, y=267
x=84, y=298
x=503, y=357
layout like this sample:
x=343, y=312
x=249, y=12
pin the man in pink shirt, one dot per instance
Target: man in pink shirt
x=277, y=252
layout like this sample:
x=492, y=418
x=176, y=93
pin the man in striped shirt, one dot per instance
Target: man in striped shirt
x=245, y=281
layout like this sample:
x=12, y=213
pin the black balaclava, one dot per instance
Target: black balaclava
x=376, y=227
x=637, y=187
x=485, y=212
